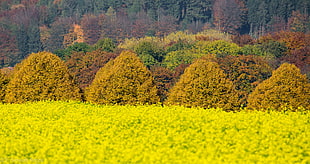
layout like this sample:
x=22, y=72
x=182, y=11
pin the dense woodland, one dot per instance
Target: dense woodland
x=28, y=26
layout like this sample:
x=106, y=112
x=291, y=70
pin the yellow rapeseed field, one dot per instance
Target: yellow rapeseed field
x=73, y=132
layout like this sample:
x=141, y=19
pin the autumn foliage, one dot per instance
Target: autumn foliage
x=124, y=80
x=84, y=66
x=164, y=79
x=3, y=84
x=42, y=76
x=286, y=88
x=246, y=72
x=204, y=84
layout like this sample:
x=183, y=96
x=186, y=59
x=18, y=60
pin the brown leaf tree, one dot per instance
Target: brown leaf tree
x=84, y=66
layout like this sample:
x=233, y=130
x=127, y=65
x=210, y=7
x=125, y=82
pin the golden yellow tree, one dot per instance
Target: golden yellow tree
x=124, y=80
x=286, y=88
x=41, y=76
x=204, y=84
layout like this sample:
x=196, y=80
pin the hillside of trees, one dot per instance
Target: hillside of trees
x=28, y=26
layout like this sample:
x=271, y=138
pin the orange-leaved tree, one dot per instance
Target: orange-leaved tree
x=41, y=76
x=287, y=88
x=124, y=80
x=204, y=84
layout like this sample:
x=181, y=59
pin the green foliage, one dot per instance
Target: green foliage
x=218, y=47
x=105, y=44
x=73, y=132
x=149, y=52
x=181, y=37
x=77, y=47
x=148, y=60
x=255, y=50
x=273, y=47
x=179, y=45
x=80, y=47
x=42, y=76
x=204, y=84
x=3, y=84
x=124, y=80
x=175, y=58
x=269, y=49
x=286, y=88
x=202, y=48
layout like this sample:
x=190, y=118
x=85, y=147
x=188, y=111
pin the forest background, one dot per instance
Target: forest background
x=29, y=26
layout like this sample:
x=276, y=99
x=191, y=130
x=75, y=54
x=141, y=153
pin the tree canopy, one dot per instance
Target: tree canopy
x=49, y=25
x=286, y=88
x=124, y=80
x=42, y=76
x=204, y=84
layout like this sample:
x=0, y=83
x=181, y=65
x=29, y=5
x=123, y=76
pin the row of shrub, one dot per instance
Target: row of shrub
x=246, y=61
x=126, y=80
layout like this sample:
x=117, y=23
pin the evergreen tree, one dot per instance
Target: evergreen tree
x=204, y=84
x=286, y=88
x=42, y=76
x=124, y=80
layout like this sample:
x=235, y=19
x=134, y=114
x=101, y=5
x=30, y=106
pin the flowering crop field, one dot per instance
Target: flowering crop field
x=73, y=132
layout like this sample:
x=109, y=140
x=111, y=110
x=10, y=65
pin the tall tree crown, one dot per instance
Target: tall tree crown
x=204, y=84
x=124, y=80
x=42, y=76
x=286, y=88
